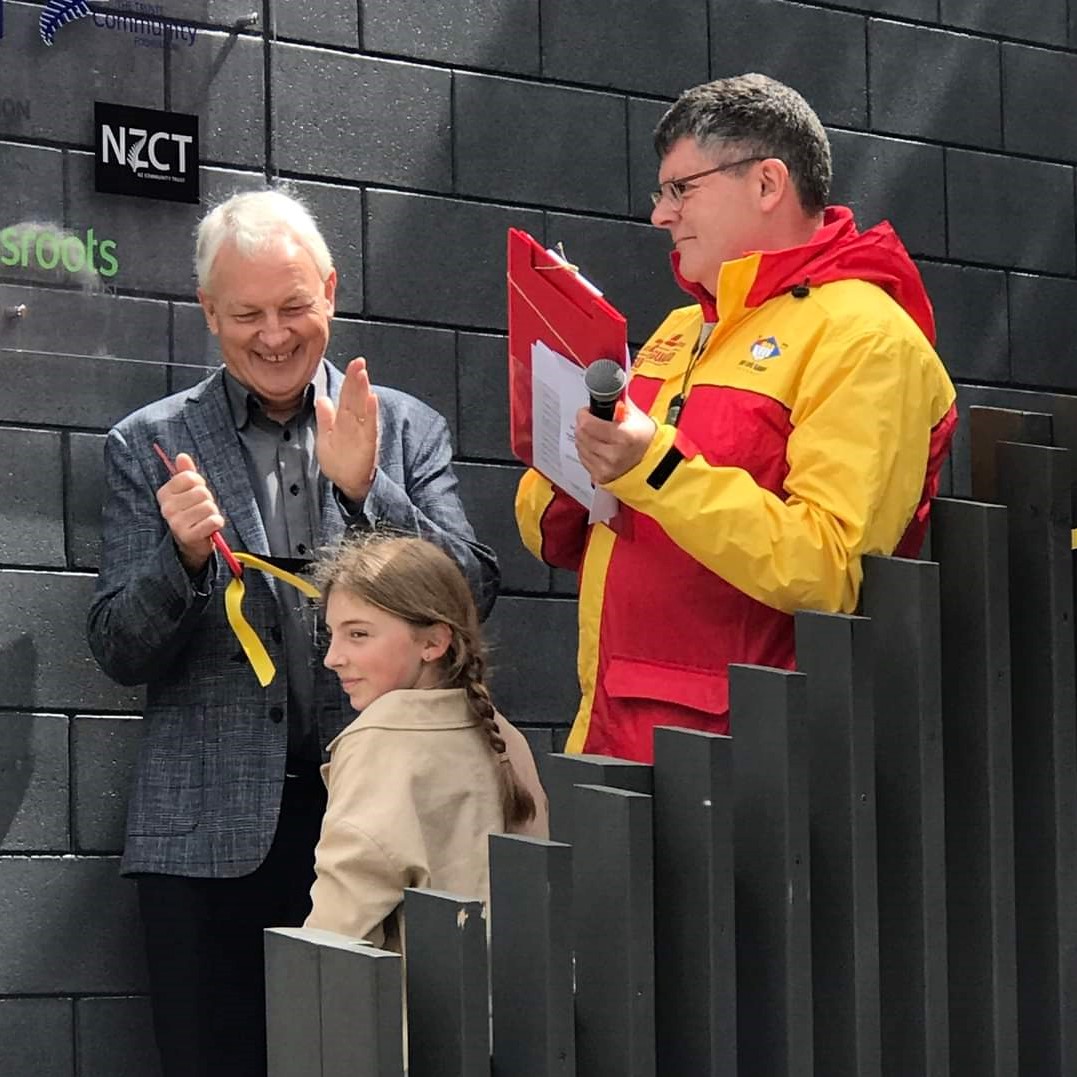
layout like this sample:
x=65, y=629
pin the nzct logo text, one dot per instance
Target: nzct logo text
x=146, y=153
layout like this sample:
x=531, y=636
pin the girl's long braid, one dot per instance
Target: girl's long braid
x=413, y=579
x=519, y=805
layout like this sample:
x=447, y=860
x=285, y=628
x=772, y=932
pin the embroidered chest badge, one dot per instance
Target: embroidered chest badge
x=765, y=348
x=761, y=350
x=659, y=351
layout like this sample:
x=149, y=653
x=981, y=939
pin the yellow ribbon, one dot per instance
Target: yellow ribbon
x=1073, y=539
x=234, y=593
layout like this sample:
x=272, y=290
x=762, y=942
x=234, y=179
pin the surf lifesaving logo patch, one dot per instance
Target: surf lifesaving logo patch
x=659, y=351
x=761, y=351
x=765, y=348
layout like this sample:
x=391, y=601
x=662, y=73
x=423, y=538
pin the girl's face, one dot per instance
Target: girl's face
x=374, y=652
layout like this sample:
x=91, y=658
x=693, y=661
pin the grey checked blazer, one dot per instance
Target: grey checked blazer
x=210, y=769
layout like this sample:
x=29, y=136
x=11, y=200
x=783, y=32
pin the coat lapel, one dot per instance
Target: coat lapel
x=332, y=523
x=219, y=457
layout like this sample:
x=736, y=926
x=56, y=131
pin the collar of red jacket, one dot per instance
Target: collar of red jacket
x=837, y=251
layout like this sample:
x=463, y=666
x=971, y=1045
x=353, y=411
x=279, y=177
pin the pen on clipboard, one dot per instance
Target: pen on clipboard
x=216, y=538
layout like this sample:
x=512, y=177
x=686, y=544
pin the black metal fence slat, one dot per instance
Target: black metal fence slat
x=293, y=1003
x=875, y=875
x=613, y=917
x=695, y=950
x=333, y=1006
x=902, y=599
x=362, y=1015
x=835, y=653
x=531, y=957
x=1034, y=484
x=772, y=870
x=970, y=542
x=987, y=427
x=563, y=772
x=447, y=986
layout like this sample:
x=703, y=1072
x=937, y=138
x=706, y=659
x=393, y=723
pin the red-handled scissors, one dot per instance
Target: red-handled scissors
x=216, y=538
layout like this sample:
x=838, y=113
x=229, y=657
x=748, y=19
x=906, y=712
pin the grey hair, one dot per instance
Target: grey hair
x=252, y=220
x=760, y=117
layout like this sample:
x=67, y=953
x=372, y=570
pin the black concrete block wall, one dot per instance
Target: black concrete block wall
x=419, y=130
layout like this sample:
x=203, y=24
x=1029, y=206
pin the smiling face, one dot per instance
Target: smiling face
x=719, y=218
x=374, y=652
x=270, y=312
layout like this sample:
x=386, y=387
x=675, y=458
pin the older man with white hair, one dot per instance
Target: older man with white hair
x=278, y=454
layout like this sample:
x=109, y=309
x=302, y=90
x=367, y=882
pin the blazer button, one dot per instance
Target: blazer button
x=276, y=714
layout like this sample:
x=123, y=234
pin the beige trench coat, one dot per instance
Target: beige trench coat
x=413, y=796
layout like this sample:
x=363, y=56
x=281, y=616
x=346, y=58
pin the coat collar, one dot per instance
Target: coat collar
x=414, y=709
x=837, y=251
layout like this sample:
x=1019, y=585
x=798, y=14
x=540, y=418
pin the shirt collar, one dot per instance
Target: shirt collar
x=241, y=400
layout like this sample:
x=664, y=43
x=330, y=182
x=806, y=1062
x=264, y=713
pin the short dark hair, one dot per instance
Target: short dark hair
x=760, y=117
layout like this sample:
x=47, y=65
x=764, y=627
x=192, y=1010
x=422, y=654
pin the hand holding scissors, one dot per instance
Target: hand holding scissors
x=190, y=510
x=192, y=515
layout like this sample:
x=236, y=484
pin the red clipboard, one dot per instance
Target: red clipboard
x=549, y=302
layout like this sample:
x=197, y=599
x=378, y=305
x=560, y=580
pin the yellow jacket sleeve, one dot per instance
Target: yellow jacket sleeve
x=862, y=419
x=553, y=525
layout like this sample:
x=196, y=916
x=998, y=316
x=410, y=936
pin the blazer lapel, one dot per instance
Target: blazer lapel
x=332, y=522
x=219, y=457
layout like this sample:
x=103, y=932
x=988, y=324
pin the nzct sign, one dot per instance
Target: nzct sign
x=146, y=153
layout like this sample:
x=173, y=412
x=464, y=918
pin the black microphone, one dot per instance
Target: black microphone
x=605, y=380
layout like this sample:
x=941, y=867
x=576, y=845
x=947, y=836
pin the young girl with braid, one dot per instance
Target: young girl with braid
x=428, y=769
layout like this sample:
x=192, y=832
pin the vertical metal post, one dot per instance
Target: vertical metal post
x=613, y=902
x=902, y=599
x=1034, y=484
x=293, y=1003
x=771, y=850
x=531, y=957
x=835, y=653
x=989, y=426
x=970, y=545
x=694, y=938
x=447, y=986
x=333, y=1006
x=362, y=1010
x=563, y=772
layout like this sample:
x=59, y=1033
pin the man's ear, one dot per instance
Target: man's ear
x=209, y=308
x=774, y=182
x=331, y=292
x=436, y=640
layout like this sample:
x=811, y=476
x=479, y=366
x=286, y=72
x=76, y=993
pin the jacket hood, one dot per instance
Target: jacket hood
x=837, y=251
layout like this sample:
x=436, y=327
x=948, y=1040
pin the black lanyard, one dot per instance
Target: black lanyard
x=676, y=405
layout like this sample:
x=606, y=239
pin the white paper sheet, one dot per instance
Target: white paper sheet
x=557, y=393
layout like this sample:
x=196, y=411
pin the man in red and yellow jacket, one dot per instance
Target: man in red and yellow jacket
x=790, y=421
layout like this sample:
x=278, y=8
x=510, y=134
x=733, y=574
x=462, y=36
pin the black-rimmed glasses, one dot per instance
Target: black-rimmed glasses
x=674, y=190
